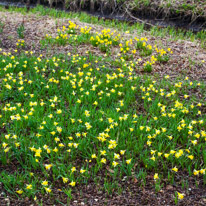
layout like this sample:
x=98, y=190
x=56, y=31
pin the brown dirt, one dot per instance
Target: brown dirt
x=132, y=195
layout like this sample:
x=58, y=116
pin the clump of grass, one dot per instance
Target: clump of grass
x=20, y=31
x=104, y=40
x=1, y=27
x=146, y=50
x=148, y=67
x=20, y=44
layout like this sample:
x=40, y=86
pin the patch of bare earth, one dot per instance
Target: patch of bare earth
x=132, y=195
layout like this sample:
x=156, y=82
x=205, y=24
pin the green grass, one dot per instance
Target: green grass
x=66, y=119
x=47, y=112
x=20, y=31
x=190, y=6
x=180, y=5
x=1, y=27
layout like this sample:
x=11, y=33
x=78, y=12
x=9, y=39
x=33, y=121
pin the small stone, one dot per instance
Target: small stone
x=99, y=192
x=8, y=201
x=26, y=199
x=169, y=187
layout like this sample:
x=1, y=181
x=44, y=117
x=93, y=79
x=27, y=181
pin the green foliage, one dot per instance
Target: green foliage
x=20, y=31
x=1, y=27
x=72, y=117
x=148, y=68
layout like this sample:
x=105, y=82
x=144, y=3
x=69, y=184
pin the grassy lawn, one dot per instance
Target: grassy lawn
x=82, y=104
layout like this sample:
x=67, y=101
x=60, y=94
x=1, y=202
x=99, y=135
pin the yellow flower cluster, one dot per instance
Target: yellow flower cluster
x=85, y=30
x=70, y=117
x=20, y=43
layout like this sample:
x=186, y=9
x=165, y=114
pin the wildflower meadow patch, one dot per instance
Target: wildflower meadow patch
x=67, y=118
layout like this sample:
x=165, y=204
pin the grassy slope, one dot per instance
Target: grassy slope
x=192, y=7
x=178, y=6
x=160, y=115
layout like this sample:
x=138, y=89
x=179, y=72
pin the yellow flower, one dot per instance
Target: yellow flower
x=59, y=129
x=94, y=156
x=65, y=180
x=103, y=160
x=95, y=103
x=170, y=137
x=172, y=151
x=156, y=176
x=19, y=191
x=128, y=161
x=202, y=171
x=52, y=133
x=7, y=149
x=82, y=171
x=37, y=154
x=73, y=169
x=48, y=166
x=50, y=116
x=28, y=187
x=141, y=127
x=166, y=155
x=149, y=142
x=175, y=169
x=194, y=142
x=72, y=183
x=44, y=183
x=190, y=157
x=79, y=101
x=47, y=189
x=155, y=118
x=103, y=152
x=4, y=145
x=55, y=149
x=180, y=196
x=115, y=163
x=59, y=111
x=116, y=156
x=196, y=172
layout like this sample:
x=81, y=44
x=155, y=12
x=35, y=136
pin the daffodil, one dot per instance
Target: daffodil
x=72, y=183
x=180, y=195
